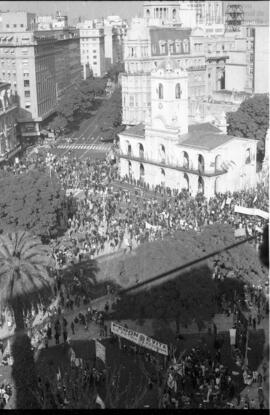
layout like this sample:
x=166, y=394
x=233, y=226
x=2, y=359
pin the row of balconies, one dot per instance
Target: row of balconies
x=164, y=162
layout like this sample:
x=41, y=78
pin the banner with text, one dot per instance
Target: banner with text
x=139, y=338
x=250, y=211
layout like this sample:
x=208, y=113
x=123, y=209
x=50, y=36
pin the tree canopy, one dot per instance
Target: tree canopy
x=24, y=282
x=251, y=120
x=114, y=71
x=77, y=101
x=32, y=201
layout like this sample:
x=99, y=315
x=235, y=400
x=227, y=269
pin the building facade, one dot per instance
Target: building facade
x=144, y=48
x=186, y=13
x=52, y=22
x=239, y=70
x=39, y=65
x=92, y=48
x=261, y=59
x=115, y=30
x=167, y=152
x=9, y=144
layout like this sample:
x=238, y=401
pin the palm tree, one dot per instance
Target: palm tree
x=24, y=283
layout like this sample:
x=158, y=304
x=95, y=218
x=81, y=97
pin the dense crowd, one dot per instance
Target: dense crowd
x=107, y=218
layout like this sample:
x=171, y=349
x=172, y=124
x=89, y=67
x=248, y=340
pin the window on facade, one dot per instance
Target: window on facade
x=174, y=13
x=178, y=91
x=21, y=25
x=171, y=47
x=14, y=25
x=27, y=106
x=162, y=48
x=131, y=101
x=27, y=94
x=26, y=83
x=185, y=46
x=7, y=25
x=160, y=91
x=178, y=46
x=248, y=158
x=209, y=75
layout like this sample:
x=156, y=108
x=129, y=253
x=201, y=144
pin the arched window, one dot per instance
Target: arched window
x=129, y=168
x=160, y=91
x=201, y=163
x=129, y=149
x=217, y=185
x=186, y=182
x=178, y=91
x=162, y=153
x=147, y=13
x=185, y=160
x=141, y=171
x=248, y=158
x=162, y=177
x=174, y=13
x=200, y=185
x=218, y=163
x=185, y=45
x=141, y=151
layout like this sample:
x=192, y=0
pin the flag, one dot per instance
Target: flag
x=100, y=402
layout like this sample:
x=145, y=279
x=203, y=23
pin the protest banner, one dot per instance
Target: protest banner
x=139, y=338
x=100, y=351
x=252, y=212
x=240, y=232
x=262, y=214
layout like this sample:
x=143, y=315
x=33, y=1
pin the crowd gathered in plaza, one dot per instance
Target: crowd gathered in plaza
x=109, y=218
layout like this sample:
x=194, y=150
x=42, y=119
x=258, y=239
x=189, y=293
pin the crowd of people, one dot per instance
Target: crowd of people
x=109, y=218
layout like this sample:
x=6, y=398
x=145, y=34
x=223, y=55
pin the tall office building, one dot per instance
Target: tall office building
x=39, y=65
x=92, y=49
x=9, y=143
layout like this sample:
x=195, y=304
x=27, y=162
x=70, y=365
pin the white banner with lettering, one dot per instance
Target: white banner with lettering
x=139, y=338
x=250, y=211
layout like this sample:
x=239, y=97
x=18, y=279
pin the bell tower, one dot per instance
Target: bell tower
x=169, y=98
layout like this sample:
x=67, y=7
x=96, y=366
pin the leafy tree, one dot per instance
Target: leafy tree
x=24, y=283
x=58, y=123
x=77, y=101
x=33, y=201
x=251, y=120
x=115, y=70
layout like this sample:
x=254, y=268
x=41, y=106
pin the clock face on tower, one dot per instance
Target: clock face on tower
x=160, y=106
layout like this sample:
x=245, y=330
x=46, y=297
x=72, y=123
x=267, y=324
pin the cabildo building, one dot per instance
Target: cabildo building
x=166, y=151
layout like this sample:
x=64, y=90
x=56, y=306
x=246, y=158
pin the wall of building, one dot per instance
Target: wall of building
x=17, y=21
x=261, y=63
x=235, y=77
x=92, y=49
x=8, y=123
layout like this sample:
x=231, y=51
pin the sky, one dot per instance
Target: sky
x=74, y=9
x=125, y=9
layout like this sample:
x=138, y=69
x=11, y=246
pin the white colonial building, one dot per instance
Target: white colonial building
x=166, y=151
